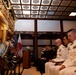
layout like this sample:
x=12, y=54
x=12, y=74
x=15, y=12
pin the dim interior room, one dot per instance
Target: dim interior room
x=27, y=27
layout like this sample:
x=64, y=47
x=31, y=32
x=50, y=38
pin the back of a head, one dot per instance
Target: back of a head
x=58, y=42
x=66, y=40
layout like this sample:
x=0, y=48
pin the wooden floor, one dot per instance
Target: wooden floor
x=30, y=71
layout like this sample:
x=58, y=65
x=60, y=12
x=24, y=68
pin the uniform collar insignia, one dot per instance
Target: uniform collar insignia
x=59, y=50
x=71, y=43
x=68, y=48
x=74, y=47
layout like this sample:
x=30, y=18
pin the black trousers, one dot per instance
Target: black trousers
x=41, y=65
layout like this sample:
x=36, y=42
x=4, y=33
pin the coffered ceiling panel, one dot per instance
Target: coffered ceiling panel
x=35, y=1
x=34, y=16
x=42, y=12
x=73, y=3
x=55, y=2
x=25, y=1
x=26, y=16
x=41, y=16
x=69, y=9
x=58, y=13
x=15, y=1
x=65, y=3
x=53, y=8
x=16, y=6
x=19, y=16
x=61, y=8
x=54, y=17
x=26, y=7
x=43, y=9
x=17, y=11
x=46, y=2
x=34, y=7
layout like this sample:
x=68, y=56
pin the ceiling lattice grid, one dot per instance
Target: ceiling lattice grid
x=43, y=9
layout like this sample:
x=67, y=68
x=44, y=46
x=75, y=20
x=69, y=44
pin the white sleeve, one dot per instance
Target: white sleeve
x=69, y=63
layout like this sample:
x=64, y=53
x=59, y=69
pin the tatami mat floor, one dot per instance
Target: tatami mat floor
x=31, y=71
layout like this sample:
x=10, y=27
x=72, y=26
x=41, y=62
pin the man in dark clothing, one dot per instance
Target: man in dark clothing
x=47, y=54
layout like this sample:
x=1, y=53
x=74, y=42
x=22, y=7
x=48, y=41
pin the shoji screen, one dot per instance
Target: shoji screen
x=27, y=42
x=24, y=25
x=48, y=25
x=68, y=25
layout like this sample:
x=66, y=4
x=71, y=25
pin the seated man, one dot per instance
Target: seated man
x=61, y=56
x=69, y=66
x=47, y=53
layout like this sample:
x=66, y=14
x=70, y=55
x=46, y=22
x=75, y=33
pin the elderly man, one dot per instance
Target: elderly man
x=61, y=56
x=69, y=66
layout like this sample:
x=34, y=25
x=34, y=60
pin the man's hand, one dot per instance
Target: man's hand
x=42, y=52
x=62, y=67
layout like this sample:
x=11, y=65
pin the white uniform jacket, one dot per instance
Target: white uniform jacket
x=61, y=53
x=71, y=59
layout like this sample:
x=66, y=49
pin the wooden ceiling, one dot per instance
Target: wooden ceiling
x=43, y=9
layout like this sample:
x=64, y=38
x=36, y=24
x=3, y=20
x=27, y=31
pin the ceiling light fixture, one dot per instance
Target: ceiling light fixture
x=72, y=14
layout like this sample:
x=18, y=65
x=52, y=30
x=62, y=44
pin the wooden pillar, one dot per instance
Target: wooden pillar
x=61, y=28
x=35, y=40
x=50, y=41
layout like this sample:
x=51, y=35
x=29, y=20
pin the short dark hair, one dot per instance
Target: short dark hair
x=72, y=30
x=65, y=36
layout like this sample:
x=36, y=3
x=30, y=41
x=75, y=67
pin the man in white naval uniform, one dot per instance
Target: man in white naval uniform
x=61, y=56
x=69, y=66
x=67, y=43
